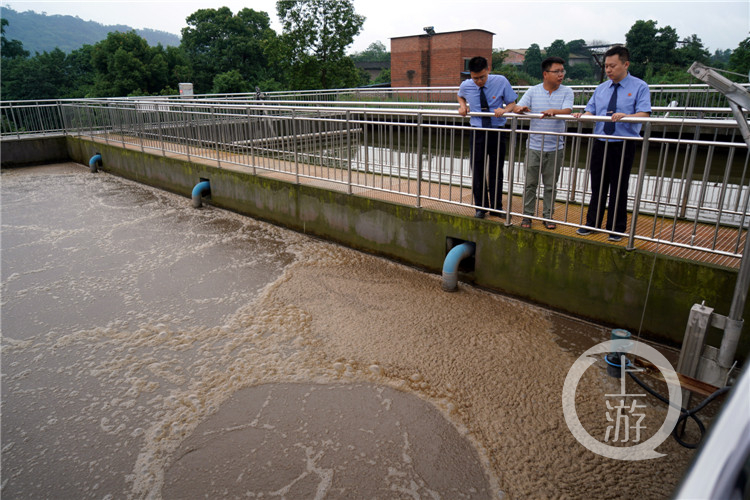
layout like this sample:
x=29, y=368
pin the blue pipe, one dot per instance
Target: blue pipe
x=200, y=189
x=96, y=159
x=450, y=266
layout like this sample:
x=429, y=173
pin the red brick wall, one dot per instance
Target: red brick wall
x=436, y=61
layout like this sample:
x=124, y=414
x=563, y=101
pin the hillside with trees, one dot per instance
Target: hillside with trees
x=225, y=52
x=657, y=55
x=43, y=33
x=220, y=52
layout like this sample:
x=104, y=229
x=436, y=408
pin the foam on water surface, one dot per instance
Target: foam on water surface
x=138, y=332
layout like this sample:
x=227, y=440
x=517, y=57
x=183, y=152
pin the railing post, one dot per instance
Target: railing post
x=161, y=135
x=691, y=168
x=39, y=116
x=419, y=160
x=296, y=153
x=367, y=153
x=188, y=131
x=216, y=135
x=576, y=158
x=62, y=117
x=140, y=127
x=108, y=115
x=511, y=163
x=15, y=123
x=349, y=150
x=639, y=186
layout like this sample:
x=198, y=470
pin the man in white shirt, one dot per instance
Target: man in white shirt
x=545, y=152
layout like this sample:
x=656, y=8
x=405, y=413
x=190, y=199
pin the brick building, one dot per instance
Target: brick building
x=436, y=60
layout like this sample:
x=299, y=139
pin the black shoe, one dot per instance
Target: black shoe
x=584, y=231
x=480, y=214
x=614, y=237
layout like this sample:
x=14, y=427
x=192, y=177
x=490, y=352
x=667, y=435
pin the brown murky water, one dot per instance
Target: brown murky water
x=152, y=350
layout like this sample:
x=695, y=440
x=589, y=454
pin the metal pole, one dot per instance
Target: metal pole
x=216, y=136
x=188, y=131
x=419, y=160
x=365, y=140
x=161, y=134
x=511, y=162
x=737, y=96
x=639, y=186
x=349, y=150
x=296, y=154
x=691, y=169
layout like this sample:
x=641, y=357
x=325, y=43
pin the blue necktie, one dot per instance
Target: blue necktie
x=486, y=121
x=609, y=127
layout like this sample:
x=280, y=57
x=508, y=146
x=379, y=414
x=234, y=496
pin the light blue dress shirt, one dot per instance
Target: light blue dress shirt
x=633, y=96
x=498, y=92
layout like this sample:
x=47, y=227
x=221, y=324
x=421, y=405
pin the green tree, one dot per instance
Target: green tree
x=121, y=65
x=692, y=50
x=10, y=49
x=80, y=73
x=532, y=62
x=315, y=36
x=652, y=49
x=720, y=58
x=515, y=75
x=375, y=52
x=498, y=56
x=180, y=69
x=582, y=74
x=739, y=61
x=230, y=82
x=578, y=47
x=49, y=75
x=216, y=41
x=558, y=48
x=383, y=77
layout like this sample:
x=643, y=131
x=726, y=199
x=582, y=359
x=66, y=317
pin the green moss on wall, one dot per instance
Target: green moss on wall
x=594, y=280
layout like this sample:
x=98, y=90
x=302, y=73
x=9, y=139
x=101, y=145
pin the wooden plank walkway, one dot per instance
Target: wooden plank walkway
x=404, y=191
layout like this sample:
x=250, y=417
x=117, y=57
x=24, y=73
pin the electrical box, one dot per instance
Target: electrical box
x=186, y=89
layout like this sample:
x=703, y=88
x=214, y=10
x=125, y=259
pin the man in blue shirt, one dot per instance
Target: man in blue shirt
x=622, y=96
x=545, y=152
x=491, y=94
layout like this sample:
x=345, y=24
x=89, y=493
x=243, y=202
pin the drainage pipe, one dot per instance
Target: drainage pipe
x=200, y=189
x=450, y=266
x=96, y=159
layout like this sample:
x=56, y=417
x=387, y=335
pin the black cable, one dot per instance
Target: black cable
x=684, y=413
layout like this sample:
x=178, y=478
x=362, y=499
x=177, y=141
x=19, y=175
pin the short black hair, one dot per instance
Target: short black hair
x=477, y=64
x=547, y=63
x=619, y=51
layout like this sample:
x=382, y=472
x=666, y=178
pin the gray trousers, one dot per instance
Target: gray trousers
x=549, y=164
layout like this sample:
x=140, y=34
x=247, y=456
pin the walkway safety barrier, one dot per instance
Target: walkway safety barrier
x=689, y=187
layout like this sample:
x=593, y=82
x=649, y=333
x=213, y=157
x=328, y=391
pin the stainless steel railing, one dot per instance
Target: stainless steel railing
x=690, y=177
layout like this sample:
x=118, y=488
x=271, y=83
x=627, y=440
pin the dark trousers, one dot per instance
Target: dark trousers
x=487, y=176
x=608, y=177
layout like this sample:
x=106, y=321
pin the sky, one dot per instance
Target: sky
x=516, y=24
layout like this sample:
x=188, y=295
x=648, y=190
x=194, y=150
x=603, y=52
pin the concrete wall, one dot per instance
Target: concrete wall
x=601, y=282
x=33, y=151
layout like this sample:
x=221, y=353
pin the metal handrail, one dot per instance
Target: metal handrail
x=380, y=147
